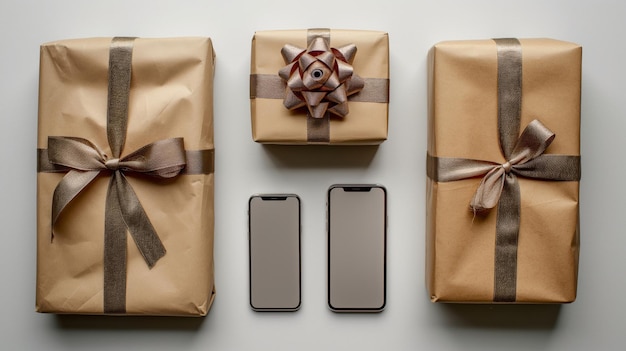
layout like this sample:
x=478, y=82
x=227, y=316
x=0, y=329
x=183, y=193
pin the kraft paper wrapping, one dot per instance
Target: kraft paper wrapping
x=366, y=123
x=171, y=96
x=463, y=120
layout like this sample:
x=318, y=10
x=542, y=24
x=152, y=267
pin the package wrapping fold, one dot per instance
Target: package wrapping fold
x=171, y=96
x=366, y=122
x=463, y=123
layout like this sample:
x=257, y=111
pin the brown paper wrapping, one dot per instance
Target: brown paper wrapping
x=463, y=124
x=366, y=123
x=171, y=96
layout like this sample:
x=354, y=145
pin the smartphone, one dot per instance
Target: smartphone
x=357, y=234
x=274, y=244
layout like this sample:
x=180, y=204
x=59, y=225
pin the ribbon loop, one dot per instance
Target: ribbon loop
x=75, y=153
x=160, y=159
x=533, y=142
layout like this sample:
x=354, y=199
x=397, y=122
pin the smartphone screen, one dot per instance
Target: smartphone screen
x=274, y=240
x=357, y=218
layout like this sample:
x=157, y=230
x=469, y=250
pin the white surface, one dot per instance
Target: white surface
x=410, y=322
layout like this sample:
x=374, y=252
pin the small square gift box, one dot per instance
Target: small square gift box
x=125, y=177
x=503, y=170
x=319, y=86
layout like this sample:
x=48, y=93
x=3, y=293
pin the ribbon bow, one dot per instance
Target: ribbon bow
x=534, y=140
x=320, y=77
x=162, y=159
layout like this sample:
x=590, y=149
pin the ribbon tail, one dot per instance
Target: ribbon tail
x=138, y=223
x=507, y=234
x=68, y=188
x=489, y=191
x=114, y=251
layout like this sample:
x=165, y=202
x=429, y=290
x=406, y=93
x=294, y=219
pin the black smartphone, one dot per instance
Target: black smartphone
x=274, y=244
x=357, y=234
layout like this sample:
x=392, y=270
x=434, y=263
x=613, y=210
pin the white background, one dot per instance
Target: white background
x=595, y=321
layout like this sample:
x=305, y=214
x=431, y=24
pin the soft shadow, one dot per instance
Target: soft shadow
x=321, y=156
x=128, y=322
x=501, y=316
x=356, y=316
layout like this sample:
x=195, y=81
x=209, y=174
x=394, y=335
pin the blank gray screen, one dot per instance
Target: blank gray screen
x=274, y=253
x=357, y=249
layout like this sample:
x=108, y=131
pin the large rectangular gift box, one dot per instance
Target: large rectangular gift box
x=125, y=177
x=319, y=86
x=503, y=171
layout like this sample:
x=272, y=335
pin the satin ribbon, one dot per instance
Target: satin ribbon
x=84, y=161
x=499, y=186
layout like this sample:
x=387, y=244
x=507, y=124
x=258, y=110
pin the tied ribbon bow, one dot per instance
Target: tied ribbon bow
x=84, y=162
x=499, y=186
x=320, y=77
x=534, y=140
x=162, y=159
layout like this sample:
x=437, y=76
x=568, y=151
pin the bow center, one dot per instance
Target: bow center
x=507, y=166
x=112, y=164
x=317, y=73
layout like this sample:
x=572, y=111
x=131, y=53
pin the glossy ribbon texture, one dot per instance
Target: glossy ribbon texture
x=320, y=77
x=83, y=161
x=499, y=186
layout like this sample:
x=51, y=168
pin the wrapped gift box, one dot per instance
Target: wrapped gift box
x=319, y=86
x=101, y=101
x=503, y=171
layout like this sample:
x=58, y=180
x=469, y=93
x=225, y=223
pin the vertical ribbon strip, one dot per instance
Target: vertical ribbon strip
x=120, y=65
x=499, y=186
x=507, y=222
x=318, y=129
x=83, y=161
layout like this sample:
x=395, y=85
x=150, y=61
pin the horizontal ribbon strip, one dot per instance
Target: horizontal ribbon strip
x=545, y=167
x=499, y=185
x=269, y=86
x=197, y=162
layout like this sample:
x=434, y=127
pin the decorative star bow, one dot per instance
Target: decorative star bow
x=320, y=77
